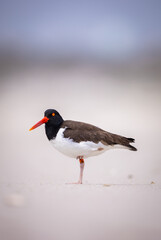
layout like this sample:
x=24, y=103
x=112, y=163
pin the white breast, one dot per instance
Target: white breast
x=73, y=149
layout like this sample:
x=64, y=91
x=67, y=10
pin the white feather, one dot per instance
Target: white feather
x=84, y=149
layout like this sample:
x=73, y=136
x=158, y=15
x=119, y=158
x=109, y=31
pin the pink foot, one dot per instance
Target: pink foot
x=79, y=182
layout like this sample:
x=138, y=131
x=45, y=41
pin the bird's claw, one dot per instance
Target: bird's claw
x=79, y=182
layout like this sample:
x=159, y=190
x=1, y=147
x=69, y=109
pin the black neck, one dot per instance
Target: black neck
x=51, y=131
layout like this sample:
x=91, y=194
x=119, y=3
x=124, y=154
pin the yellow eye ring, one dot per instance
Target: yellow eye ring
x=53, y=114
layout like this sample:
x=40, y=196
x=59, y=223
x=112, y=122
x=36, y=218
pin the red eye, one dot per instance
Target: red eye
x=53, y=114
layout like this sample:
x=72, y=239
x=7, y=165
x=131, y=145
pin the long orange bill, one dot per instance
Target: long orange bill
x=44, y=120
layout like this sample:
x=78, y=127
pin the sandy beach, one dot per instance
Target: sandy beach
x=89, y=211
x=121, y=195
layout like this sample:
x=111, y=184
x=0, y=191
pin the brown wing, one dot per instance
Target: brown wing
x=79, y=131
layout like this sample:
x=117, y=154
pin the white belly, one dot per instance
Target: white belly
x=83, y=149
x=73, y=149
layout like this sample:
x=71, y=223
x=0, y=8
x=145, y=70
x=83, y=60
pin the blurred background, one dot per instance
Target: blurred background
x=93, y=61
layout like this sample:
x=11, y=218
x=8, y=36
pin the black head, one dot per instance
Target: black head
x=54, y=118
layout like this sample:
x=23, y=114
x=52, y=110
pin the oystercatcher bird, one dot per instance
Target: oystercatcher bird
x=80, y=140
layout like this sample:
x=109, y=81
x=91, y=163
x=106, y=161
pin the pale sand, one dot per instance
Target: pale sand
x=90, y=211
x=35, y=202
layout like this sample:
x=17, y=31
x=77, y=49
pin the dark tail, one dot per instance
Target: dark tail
x=131, y=140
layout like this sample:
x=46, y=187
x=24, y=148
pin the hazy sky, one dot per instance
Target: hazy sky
x=91, y=26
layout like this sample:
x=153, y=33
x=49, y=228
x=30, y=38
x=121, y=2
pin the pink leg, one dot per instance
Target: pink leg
x=81, y=170
x=81, y=160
